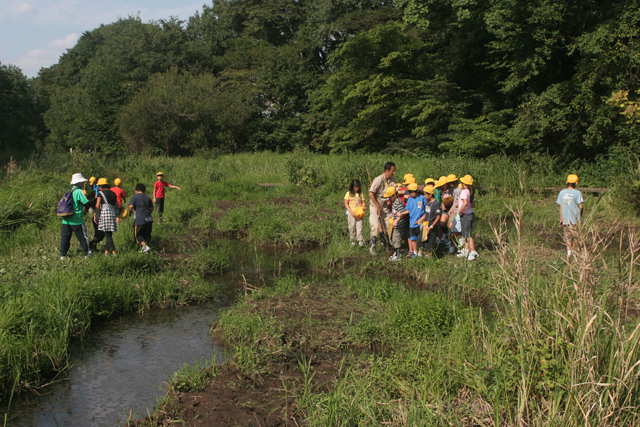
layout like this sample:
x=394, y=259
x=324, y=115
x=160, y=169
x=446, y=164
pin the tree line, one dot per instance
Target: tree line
x=430, y=77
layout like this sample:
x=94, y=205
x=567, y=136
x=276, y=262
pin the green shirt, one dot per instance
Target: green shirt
x=79, y=200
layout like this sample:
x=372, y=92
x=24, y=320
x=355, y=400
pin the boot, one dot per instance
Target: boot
x=372, y=249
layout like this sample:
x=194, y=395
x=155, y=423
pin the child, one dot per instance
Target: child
x=352, y=201
x=141, y=206
x=571, y=204
x=432, y=214
x=399, y=228
x=158, y=192
x=105, y=215
x=120, y=195
x=454, y=218
x=466, y=203
x=415, y=206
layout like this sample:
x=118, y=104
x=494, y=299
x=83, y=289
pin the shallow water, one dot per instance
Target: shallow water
x=123, y=366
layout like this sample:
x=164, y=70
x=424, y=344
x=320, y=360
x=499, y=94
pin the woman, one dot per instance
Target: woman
x=106, y=202
x=466, y=203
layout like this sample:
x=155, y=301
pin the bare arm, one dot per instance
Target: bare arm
x=173, y=186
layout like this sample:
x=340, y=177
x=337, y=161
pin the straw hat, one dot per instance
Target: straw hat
x=77, y=178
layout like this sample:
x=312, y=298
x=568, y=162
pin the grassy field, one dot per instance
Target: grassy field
x=518, y=337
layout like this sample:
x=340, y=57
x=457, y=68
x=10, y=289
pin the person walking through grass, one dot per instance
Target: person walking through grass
x=355, y=205
x=142, y=207
x=571, y=204
x=158, y=193
x=415, y=205
x=106, y=201
x=466, y=203
x=453, y=223
x=121, y=197
x=379, y=208
x=74, y=223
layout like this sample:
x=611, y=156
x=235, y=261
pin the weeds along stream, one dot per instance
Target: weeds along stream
x=121, y=367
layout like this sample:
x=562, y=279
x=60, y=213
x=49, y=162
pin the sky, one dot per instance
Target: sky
x=34, y=33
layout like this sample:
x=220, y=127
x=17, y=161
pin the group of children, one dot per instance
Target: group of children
x=107, y=204
x=421, y=217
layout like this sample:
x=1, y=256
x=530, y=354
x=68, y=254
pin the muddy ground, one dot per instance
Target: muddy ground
x=313, y=332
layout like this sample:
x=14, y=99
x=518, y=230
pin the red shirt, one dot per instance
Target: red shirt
x=159, y=187
x=119, y=192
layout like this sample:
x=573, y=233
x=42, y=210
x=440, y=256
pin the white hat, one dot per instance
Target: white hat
x=77, y=178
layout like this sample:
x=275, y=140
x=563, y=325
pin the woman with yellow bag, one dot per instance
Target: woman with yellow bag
x=355, y=205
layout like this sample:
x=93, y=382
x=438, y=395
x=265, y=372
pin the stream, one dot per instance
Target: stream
x=121, y=369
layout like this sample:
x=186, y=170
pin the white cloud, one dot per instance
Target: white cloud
x=23, y=8
x=65, y=43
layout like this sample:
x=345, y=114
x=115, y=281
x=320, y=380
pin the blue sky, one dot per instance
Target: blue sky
x=34, y=33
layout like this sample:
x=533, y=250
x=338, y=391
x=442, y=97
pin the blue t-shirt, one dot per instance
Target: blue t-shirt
x=415, y=206
x=570, y=200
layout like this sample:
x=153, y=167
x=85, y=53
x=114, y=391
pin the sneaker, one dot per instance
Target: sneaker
x=569, y=253
x=473, y=255
x=145, y=250
x=393, y=258
x=413, y=255
x=463, y=253
x=372, y=250
x=62, y=258
x=361, y=244
x=353, y=243
x=410, y=255
x=90, y=255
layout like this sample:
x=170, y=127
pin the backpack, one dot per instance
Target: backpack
x=65, y=205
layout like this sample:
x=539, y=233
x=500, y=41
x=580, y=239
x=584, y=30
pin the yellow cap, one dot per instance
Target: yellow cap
x=452, y=178
x=430, y=189
x=117, y=182
x=103, y=181
x=358, y=212
x=407, y=175
x=467, y=180
x=412, y=187
x=391, y=190
x=572, y=179
x=124, y=214
x=429, y=181
x=159, y=173
x=92, y=180
x=409, y=180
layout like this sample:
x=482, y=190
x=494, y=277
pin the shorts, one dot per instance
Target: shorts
x=142, y=233
x=432, y=241
x=399, y=235
x=119, y=211
x=569, y=231
x=415, y=233
x=466, y=221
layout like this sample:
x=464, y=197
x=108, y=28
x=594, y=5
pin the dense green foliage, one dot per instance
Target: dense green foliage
x=431, y=77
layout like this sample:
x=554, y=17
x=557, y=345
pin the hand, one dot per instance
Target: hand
x=178, y=188
x=379, y=210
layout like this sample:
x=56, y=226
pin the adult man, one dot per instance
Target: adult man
x=571, y=204
x=379, y=210
x=158, y=193
x=74, y=223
